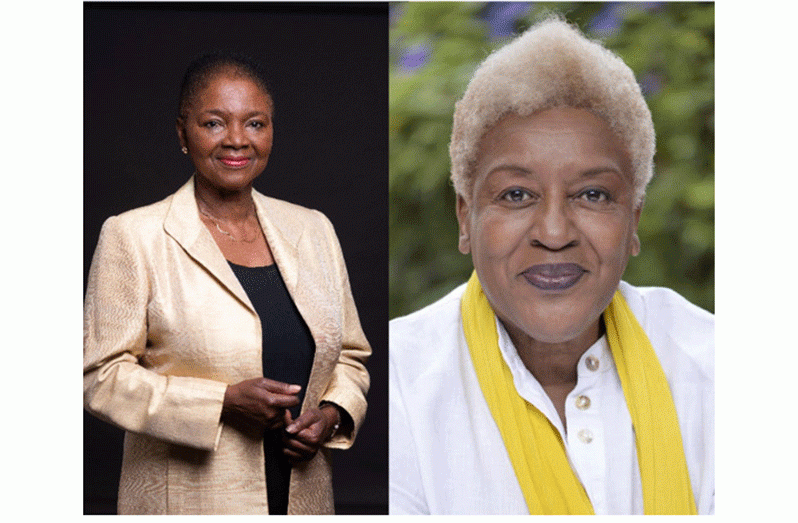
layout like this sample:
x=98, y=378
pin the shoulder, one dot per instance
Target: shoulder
x=281, y=209
x=139, y=222
x=429, y=333
x=679, y=330
x=296, y=221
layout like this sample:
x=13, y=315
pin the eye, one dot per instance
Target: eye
x=257, y=124
x=212, y=124
x=594, y=195
x=515, y=195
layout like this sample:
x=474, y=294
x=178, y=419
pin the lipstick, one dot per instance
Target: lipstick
x=234, y=161
x=554, y=276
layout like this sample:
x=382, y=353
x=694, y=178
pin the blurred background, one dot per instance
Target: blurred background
x=434, y=49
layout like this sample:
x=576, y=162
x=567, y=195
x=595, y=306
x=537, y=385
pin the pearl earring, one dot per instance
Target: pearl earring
x=184, y=149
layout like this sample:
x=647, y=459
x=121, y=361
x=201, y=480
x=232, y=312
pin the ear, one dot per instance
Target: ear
x=464, y=225
x=635, y=238
x=181, y=131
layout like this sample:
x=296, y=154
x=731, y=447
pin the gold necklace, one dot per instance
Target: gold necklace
x=216, y=223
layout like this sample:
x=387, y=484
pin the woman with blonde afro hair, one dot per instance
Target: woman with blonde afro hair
x=545, y=384
x=552, y=65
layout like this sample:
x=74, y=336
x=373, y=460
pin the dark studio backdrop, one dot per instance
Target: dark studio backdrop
x=328, y=68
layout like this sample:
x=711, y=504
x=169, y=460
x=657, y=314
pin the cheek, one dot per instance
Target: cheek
x=264, y=143
x=612, y=239
x=498, y=234
x=199, y=142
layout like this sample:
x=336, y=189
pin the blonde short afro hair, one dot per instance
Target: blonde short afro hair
x=552, y=65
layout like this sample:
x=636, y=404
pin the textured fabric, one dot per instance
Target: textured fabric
x=167, y=326
x=663, y=470
x=544, y=474
x=447, y=455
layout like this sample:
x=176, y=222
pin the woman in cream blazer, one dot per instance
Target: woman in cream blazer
x=168, y=327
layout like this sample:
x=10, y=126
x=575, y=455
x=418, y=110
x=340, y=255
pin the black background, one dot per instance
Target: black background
x=328, y=68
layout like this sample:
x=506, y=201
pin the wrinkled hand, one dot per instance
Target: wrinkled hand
x=259, y=403
x=305, y=435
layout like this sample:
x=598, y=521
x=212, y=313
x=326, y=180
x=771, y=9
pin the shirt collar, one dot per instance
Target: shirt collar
x=596, y=360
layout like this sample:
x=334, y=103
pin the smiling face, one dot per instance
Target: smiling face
x=227, y=129
x=551, y=223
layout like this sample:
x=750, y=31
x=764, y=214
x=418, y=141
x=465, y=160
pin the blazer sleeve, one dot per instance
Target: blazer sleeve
x=350, y=379
x=116, y=388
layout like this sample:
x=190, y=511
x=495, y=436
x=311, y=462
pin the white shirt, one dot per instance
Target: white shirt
x=447, y=455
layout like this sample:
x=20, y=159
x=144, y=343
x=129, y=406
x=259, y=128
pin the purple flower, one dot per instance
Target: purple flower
x=649, y=6
x=607, y=21
x=651, y=83
x=414, y=56
x=501, y=17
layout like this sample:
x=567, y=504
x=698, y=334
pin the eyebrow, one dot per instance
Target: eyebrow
x=509, y=167
x=589, y=173
x=219, y=112
x=596, y=171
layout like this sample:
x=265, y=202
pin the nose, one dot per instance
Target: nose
x=236, y=136
x=552, y=225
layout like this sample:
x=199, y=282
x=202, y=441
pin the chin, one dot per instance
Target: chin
x=230, y=183
x=558, y=334
x=557, y=327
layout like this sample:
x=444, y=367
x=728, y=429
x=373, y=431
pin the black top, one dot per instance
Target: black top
x=288, y=350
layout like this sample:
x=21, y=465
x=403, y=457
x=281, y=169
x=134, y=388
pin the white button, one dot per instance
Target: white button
x=592, y=362
x=582, y=402
x=585, y=436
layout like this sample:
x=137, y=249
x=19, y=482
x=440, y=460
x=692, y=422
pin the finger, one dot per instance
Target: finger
x=297, y=448
x=275, y=400
x=275, y=421
x=278, y=386
x=306, y=419
x=311, y=435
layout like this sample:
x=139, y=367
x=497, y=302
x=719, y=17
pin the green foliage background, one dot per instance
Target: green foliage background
x=669, y=46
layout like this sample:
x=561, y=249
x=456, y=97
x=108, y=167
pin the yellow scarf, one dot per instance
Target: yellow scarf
x=534, y=445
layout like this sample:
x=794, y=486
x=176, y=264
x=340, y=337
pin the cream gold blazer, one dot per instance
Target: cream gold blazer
x=167, y=327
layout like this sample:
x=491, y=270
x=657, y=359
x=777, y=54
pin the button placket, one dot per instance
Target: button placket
x=581, y=411
x=584, y=424
x=585, y=435
x=586, y=438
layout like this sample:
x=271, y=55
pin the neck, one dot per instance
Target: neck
x=553, y=364
x=224, y=204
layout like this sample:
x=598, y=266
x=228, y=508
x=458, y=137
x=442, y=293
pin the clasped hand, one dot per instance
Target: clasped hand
x=262, y=404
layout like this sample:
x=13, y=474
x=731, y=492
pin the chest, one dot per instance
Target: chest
x=247, y=246
x=197, y=327
x=466, y=443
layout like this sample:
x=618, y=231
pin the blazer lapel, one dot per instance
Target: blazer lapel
x=282, y=240
x=184, y=225
x=284, y=232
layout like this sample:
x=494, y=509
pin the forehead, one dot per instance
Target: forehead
x=231, y=86
x=556, y=139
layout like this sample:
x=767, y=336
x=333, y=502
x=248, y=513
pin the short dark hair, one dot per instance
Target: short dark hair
x=202, y=69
